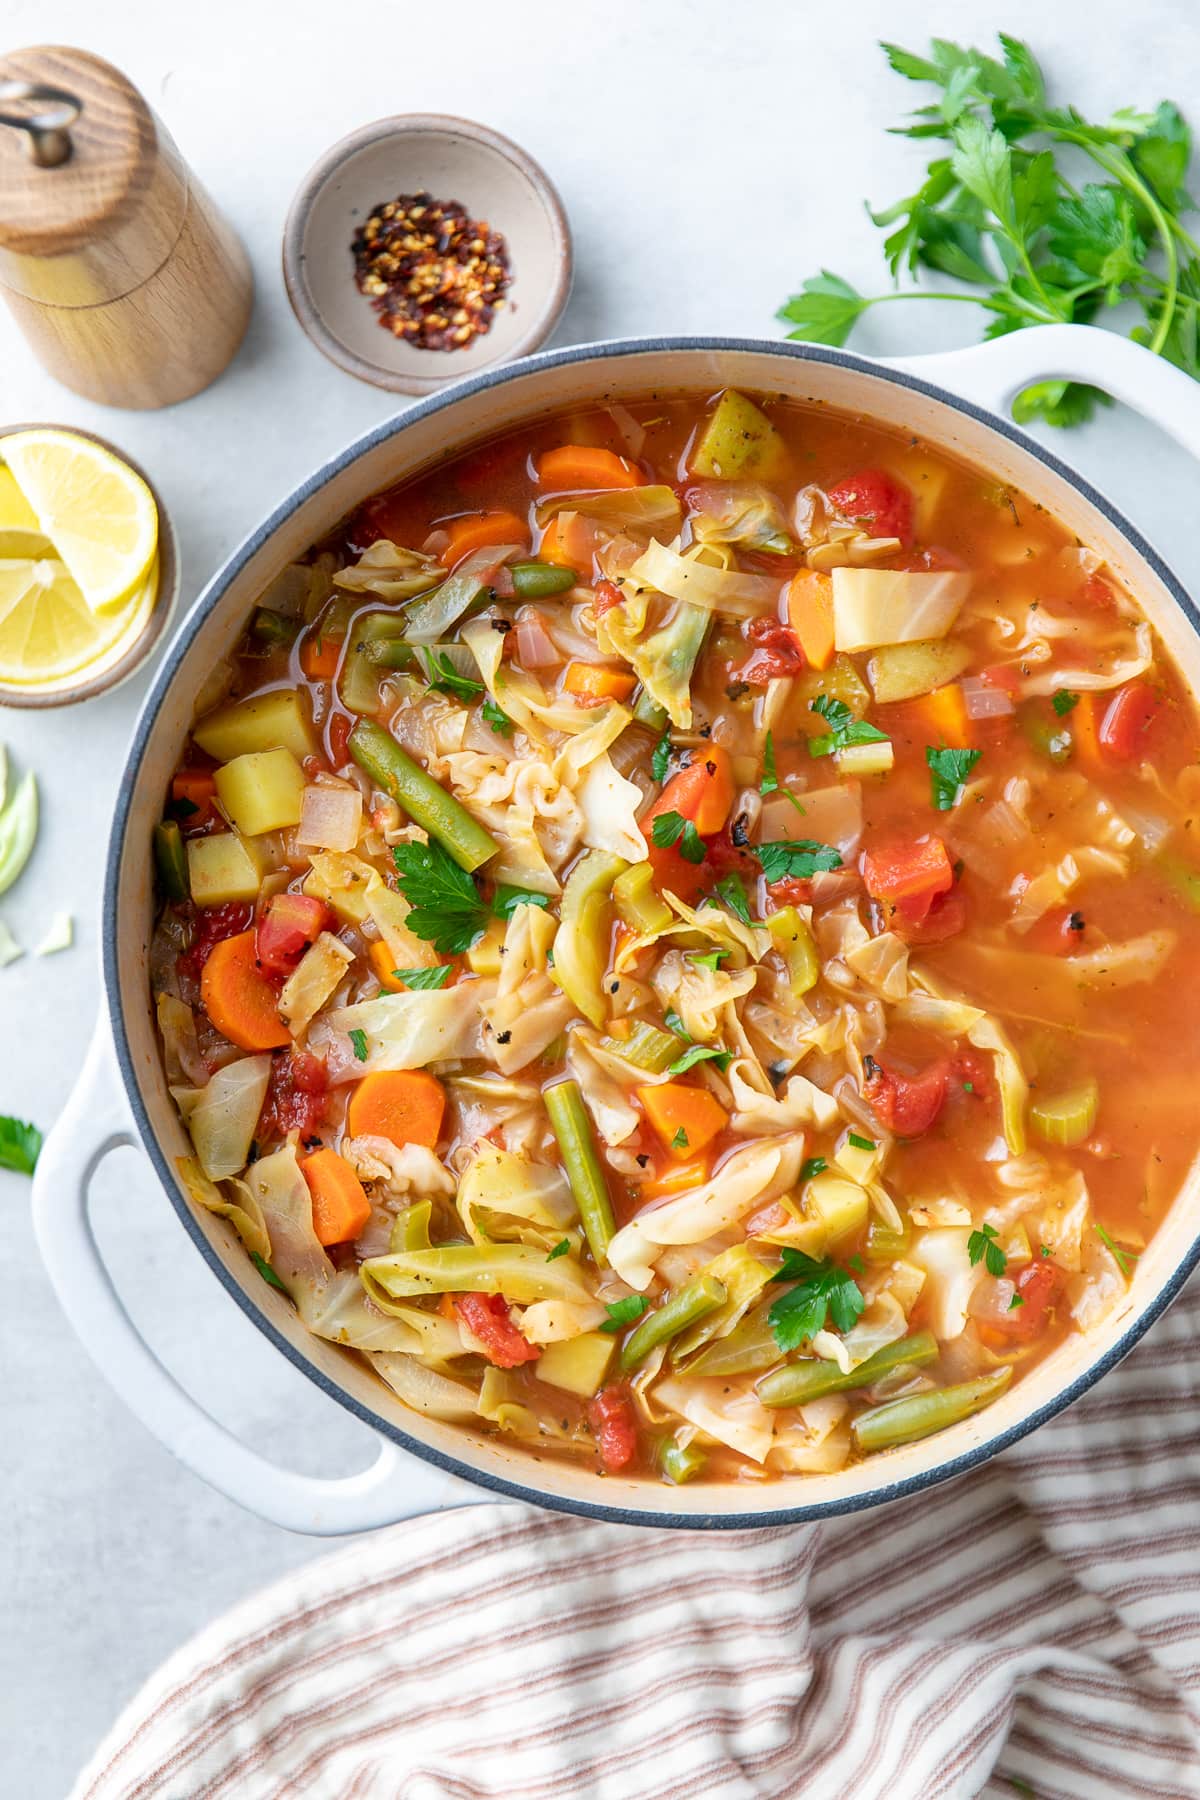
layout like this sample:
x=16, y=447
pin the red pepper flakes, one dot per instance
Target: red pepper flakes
x=435, y=276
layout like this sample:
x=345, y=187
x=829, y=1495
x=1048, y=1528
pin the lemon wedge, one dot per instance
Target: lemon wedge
x=49, y=633
x=97, y=513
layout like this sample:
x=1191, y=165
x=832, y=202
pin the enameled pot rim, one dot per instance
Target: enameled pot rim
x=786, y=1514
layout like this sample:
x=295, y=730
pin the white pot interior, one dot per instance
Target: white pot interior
x=410, y=445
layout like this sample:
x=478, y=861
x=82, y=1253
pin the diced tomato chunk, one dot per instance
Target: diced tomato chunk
x=1038, y=1286
x=605, y=595
x=877, y=500
x=290, y=924
x=486, y=1317
x=213, y=923
x=906, y=1104
x=972, y=1070
x=338, y=737
x=701, y=795
x=776, y=656
x=1127, y=718
x=793, y=890
x=614, y=1427
x=908, y=874
x=946, y=917
x=295, y=1096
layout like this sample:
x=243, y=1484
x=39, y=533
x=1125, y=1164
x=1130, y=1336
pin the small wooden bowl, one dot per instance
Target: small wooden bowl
x=453, y=159
x=91, y=682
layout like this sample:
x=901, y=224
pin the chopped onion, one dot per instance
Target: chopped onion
x=330, y=816
x=536, y=649
x=633, y=435
x=1152, y=829
x=983, y=701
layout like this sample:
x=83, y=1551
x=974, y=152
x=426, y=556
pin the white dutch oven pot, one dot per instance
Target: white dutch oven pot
x=953, y=401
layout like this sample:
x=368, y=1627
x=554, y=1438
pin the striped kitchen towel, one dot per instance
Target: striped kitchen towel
x=1033, y=1628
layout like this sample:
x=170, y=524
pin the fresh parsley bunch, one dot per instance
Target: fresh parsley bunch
x=1002, y=213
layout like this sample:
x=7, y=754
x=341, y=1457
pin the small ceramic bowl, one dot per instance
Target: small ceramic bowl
x=452, y=159
x=101, y=677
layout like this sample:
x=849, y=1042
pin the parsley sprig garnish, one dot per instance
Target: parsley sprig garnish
x=823, y=1289
x=699, y=1053
x=446, y=907
x=948, y=770
x=844, y=729
x=20, y=1145
x=660, y=761
x=982, y=1247
x=624, y=1312
x=420, y=980
x=444, y=678
x=770, y=781
x=801, y=858
x=671, y=828
x=732, y=890
x=999, y=214
x=493, y=716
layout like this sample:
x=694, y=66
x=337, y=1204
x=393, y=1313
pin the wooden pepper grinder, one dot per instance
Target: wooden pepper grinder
x=128, y=284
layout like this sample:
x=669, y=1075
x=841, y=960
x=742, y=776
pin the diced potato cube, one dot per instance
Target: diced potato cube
x=274, y=721
x=902, y=671
x=738, y=440
x=483, y=958
x=223, y=868
x=578, y=1364
x=859, y=1164
x=840, y=1205
x=262, y=791
x=389, y=911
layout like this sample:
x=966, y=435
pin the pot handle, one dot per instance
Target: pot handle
x=990, y=374
x=95, y=1122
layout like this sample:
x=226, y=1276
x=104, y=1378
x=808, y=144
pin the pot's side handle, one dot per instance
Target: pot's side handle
x=95, y=1122
x=990, y=374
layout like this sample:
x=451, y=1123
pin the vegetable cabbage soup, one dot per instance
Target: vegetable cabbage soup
x=671, y=934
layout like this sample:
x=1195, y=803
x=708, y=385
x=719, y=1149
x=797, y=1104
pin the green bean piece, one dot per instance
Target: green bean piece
x=916, y=1416
x=538, y=580
x=647, y=1048
x=648, y=712
x=388, y=653
x=680, y=1462
x=170, y=859
x=884, y=1245
x=436, y=811
x=273, y=629
x=573, y=1129
x=686, y=1306
x=799, y=1382
x=750, y=1346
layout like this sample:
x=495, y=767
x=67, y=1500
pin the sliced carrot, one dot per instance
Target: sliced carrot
x=676, y=1178
x=620, y=1028
x=810, y=615
x=475, y=531
x=591, y=681
x=446, y=1307
x=319, y=657
x=942, y=716
x=405, y=1105
x=703, y=792
x=686, y=1118
x=579, y=466
x=384, y=964
x=1081, y=721
x=566, y=542
x=241, y=1004
x=197, y=788
x=340, y=1208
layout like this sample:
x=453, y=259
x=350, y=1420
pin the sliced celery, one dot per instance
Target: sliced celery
x=793, y=938
x=639, y=904
x=1066, y=1118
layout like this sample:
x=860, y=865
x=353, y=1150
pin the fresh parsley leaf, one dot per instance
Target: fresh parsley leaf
x=800, y=858
x=860, y=1143
x=624, y=1312
x=680, y=1140
x=1017, y=1300
x=493, y=716
x=1063, y=701
x=266, y=1271
x=660, y=762
x=825, y=311
x=732, y=890
x=844, y=729
x=20, y=1145
x=560, y=1249
x=444, y=678
x=358, y=1042
x=417, y=980
x=672, y=828
x=711, y=959
x=948, y=769
x=814, y=1165
x=674, y=1023
x=823, y=1289
x=699, y=1053
x=982, y=1247
x=1124, y=1258
x=770, y=781
x=446, y=907
x=506, y=900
